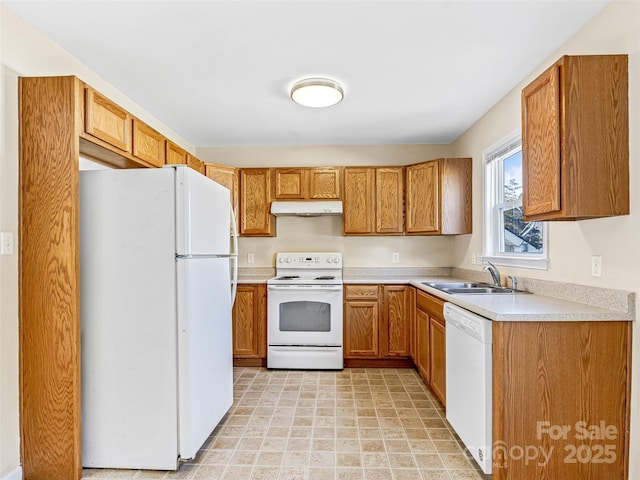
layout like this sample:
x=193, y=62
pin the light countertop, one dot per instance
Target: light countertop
x=499, y=307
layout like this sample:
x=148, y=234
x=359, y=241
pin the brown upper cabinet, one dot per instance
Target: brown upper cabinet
x=148, y=145
x=227, y=177
x=175, y=155
x=438, y=197
x=373, y=201
x=255, y=203
x=307, y=183
x=106, y=121
x=575, y=140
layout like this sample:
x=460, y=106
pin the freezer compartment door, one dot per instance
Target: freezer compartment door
x=205, y=361
x=202, y=214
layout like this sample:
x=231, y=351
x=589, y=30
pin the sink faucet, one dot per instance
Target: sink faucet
x=495, y=273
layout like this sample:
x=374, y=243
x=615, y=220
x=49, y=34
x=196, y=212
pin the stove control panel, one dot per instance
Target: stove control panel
x=309, y=260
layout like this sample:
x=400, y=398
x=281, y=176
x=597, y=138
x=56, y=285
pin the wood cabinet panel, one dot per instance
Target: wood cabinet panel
x=437, y=344
x=291, y=183
x=255, y=202
x=249, y=322
x=541, y=134
x=148, y=145
x=438, y=197
x=560, y=374
x=227, y=177
x=361, y=292
x=324, y=183
x=107, y=121
x=175, y=155
x=423, y=349
x=575, y=140
x=49, y=293
x=358, y=207
x=390, y=200
x=395, y=331
x=195, y=163
x=423, y=198
x=361, y=329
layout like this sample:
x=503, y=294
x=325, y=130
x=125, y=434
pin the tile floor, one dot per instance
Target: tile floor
x=357, y=424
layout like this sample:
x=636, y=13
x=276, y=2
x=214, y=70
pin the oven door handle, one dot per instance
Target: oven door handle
x=311, y=288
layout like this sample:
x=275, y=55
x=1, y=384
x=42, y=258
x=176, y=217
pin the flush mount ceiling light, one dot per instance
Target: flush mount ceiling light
x=317, y=92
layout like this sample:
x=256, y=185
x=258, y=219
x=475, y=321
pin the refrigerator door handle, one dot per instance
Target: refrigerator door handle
x=206, y=255
x=234, y=259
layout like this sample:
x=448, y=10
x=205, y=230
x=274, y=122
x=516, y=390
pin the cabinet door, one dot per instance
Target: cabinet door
x=227, y=177
x=195, y=163
x=423, y=198
x=423, y=348
x=361, y=329
x=324, y=183
x=255, y=203
x=148, y=145
x=175, y=155
x=358, y=202
x=438, y=357
x=541, y=144
x=106, y=121
x=389, y=200
x=290, y=183
x=249, y=322
x=395, y=327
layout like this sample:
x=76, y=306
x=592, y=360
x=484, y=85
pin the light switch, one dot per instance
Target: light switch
x=395, y=257
x=6, y=243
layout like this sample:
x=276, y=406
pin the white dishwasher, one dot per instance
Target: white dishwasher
x=468, y=360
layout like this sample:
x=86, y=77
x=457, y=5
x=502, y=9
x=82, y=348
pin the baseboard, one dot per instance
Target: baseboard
x=402, y=362
x=249, y=362
x=15, y=475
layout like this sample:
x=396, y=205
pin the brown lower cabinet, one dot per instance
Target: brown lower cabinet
x=250, y=325
x=430, y=355
x=561, y=393
x=378, y=323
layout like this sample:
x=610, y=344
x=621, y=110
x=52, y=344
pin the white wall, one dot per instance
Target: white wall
x=615, y=30
x=25, y=52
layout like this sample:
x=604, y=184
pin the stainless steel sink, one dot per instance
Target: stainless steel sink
x=470, y=287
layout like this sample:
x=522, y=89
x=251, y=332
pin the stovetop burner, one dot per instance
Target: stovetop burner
x=288, y=277
x=325, y=277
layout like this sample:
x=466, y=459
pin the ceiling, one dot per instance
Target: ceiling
x=219, y=72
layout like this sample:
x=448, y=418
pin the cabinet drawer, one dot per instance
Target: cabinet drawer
x=429, y=304
x=148, y=145
x=360, y=292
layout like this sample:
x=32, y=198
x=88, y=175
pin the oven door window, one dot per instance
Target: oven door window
x=305, y=317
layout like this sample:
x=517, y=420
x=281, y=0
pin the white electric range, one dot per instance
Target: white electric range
x=304, y=315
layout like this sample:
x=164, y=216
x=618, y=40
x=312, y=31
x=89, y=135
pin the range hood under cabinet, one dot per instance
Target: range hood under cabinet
x=307, y=208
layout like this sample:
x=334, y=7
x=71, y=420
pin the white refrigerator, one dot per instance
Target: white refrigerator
x=155, y=301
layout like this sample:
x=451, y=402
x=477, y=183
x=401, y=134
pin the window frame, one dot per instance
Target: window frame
x=491, y=237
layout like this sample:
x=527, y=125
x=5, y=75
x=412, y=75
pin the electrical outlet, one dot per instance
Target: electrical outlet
x=596, y=266
x=395, y=257
x=474, y=258
x=6, y=243
x=251, y=258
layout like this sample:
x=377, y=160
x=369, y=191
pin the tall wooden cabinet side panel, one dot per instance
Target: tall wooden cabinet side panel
x=541, y=144
x=358, y=201
x=456, y=196
x=255, y=202
x=390, y=200
x=568, y=375
x=49, y=263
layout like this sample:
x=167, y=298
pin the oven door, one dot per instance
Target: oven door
x=304, y=315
